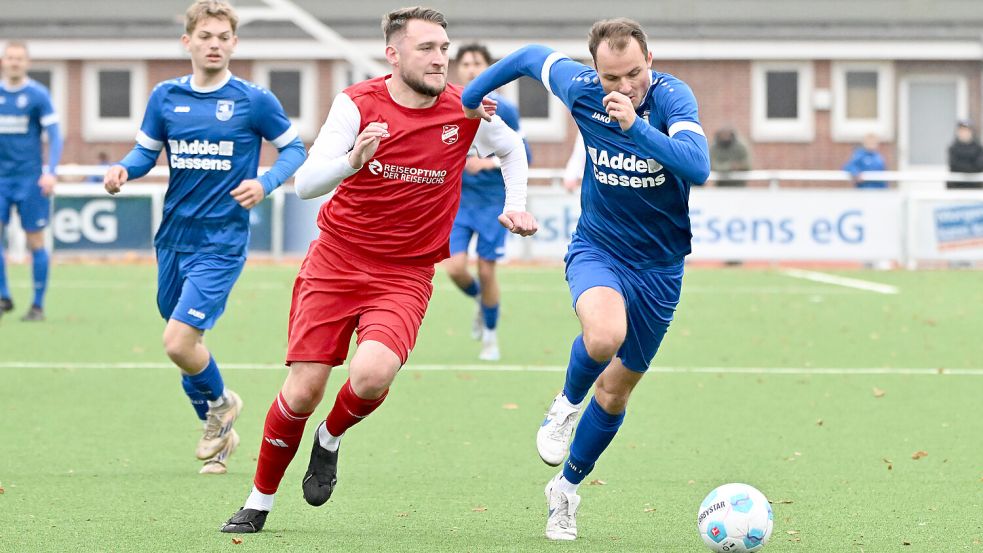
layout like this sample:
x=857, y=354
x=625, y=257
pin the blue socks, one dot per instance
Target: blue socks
x=472, y=290
x=4, y=292
x=208, y=382
x=198, y=399
x=40, y=259
x=581, y=372
x=491, y=316
x=594, y=433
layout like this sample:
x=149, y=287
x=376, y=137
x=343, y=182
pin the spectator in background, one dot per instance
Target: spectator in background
x=866, y=158
x=728, y=153
x=103, y=167
x=965, y=155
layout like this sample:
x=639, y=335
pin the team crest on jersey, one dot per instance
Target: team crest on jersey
x=449, y=135
x=22, y=101
x=224, y=110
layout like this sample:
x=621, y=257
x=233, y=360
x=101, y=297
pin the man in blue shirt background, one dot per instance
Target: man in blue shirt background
x=866, y=158
x=25, y=182
x=645, y=148
x=482, y=196
x=212, y=125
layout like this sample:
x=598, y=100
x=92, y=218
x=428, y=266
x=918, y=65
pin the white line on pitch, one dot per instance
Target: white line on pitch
x=534, y=368
x=842, y=281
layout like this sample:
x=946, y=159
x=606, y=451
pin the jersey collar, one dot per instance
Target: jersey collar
x=6, y=88
x=213, y=88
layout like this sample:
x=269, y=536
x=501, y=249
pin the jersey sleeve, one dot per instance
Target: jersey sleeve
x=562, y=77
x=153, y=131
x=683, y=147
x=46, y=110
x=270, y=121
x=327, y=162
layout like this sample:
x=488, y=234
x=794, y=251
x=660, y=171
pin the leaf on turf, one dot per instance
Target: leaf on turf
x=1, y=490
x=510, y=406
x=596, y=482
x=649, y=509
x=940, y=370
x=402, y=515
x=906, y=543
x=781, y=502
x=479, y=509
x=691, y=482
x=819, y=422
x=237, y=541
x=879, y=392
x=792, y=532
x=465, y=376
x=919, y=454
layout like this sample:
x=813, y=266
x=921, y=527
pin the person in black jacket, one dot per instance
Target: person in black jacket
x=965, y=155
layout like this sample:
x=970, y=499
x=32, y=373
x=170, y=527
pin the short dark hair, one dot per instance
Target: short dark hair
x=395, y=21
x=15, y=44
x=476, y=49
x=617, y=33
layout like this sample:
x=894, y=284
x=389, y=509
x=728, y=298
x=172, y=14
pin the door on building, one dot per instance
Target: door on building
x=929, y=107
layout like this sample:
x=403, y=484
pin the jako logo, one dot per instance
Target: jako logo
x=375, y=167
x=195, y=313
x=95, y=222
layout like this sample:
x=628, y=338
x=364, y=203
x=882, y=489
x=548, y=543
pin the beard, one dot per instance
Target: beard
x=420, y=86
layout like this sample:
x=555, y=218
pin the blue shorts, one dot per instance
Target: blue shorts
x=193, y=287
x=482, y=221
x=651, y=297
x=24, y=193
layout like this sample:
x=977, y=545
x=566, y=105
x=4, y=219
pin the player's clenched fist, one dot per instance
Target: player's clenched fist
x=620, y=109
x=519, y=222
x=367, y=143
x=248, y=193
x=114, y=179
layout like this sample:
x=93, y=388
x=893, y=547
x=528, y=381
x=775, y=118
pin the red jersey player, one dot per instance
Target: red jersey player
x=398, y=145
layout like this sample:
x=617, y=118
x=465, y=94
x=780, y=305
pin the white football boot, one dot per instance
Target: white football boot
x=218, y=425
x=220, y=462
x=561, y=523
x=553, y=437
x=489, y=346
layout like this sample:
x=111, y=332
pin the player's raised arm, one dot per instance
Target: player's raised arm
x=337, y=145
x=495, y=137
x=150, y=141
x=683, y=149
x=556, y=71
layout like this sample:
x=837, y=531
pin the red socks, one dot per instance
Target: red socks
x=281, y=438
x=350, y=409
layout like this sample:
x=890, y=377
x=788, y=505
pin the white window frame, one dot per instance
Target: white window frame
x=853, y=130
x=801, y=129
x=59, y=89
x=96, y=128
x=307, y=124
x=552, y=128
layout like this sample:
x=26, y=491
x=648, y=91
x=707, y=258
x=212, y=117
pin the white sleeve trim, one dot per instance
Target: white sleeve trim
x=685, y=126
x=547, y=65
x=149, y=143
x=287, y=137
x=50, y=119
x=327, y=162
x=574, y=169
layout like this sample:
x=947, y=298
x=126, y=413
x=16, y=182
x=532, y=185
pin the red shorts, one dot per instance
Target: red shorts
x=338, y=292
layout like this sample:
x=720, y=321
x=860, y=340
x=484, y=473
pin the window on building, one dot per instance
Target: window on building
x=862, y=100
x=781, y=98
x=295, y=86
x=114, y=99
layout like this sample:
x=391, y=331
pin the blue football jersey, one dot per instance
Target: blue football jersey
x=632, y=204
x=635, y=191
x=24, y=112
x=488, y=187
x=212, y=140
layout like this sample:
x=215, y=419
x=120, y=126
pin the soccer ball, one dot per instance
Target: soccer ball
x=735, y=518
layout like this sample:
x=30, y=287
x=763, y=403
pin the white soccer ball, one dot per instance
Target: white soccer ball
x=735, y=518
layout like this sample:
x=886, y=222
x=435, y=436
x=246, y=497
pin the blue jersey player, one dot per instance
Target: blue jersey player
x=25, y=183
x=211, y=125
x=624, y=266
x=482, y=192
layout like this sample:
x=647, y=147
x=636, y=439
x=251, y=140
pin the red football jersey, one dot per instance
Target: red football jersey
x=400, y=206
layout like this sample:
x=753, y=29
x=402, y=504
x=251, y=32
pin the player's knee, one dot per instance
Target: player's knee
x=177, y=348
x=305, y=399
x=603, y=343
x=371, y=384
